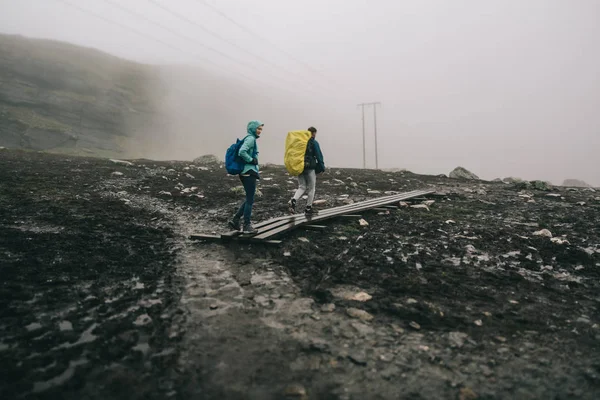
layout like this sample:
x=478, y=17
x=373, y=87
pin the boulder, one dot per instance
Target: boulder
x=462, y=173
x=541, y=185
x=207, y=159
x=575, y=183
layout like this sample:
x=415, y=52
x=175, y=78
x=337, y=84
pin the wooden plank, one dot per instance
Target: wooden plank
x=332, y=212
x=263, y=224
x=281, y=224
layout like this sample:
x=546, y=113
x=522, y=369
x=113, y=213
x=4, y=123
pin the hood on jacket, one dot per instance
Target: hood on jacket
x=252, y=125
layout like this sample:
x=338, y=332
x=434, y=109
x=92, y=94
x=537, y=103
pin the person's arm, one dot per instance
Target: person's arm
x=319, y=154
x=246, y=149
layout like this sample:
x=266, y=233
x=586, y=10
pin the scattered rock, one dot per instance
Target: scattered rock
x=162, y=192
x=559, y=241
x=420, y=206
x=303, y=239
x=296, y=391
x=142, y=320
x=117, y=173
x=358, y=357
x=359, y=314
x=238, y=190
x=450, y=221
x=65, y=326
x=319, y=202
x=362, y=329
x=462, y=173
x=327, y=308
x=361, y=296
x=584, y=319
x=478, y=322
x=414, y=325
x=397, y=329
x=543, y=233
x=457, y=339
x=190, y=176
x=363, y=222
x=34, y=326
x=411, y=301
x=122, y=162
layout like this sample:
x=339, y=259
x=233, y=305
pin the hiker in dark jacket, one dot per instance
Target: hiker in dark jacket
x=307, y=180
x=249, y=153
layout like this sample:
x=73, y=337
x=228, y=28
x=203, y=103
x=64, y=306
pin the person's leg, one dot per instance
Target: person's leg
x=299, y=192
x=235, y=221
x=240, y=212
x=301, y=186
x=250, y=188
x=311, y=183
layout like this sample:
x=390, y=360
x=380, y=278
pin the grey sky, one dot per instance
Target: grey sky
x=502, y=87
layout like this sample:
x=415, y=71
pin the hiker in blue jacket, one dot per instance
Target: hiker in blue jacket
x=307, y=180
x=249, y=153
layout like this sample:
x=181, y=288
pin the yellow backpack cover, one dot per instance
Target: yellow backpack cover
x=295, y=149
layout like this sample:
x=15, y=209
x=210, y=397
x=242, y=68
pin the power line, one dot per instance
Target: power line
x=256, y=35
x=215, y=35
x=168, y=29
x=146, y=36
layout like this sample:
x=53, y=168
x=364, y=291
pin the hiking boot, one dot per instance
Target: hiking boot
x=234, y=224
x=249, y=229
x=308, y=211
x=292, y=206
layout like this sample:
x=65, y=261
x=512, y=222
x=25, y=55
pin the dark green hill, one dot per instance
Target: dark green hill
x=59, y=97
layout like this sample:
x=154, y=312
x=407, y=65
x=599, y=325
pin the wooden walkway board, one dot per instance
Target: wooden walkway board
x=271, y=228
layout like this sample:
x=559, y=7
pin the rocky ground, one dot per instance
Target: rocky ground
x=489, y=292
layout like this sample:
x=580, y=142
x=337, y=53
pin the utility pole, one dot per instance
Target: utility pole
x=363, y=137
x=375, y=126
x=362, y=105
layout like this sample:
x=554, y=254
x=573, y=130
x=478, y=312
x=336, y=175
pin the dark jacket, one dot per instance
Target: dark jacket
x=313, y=158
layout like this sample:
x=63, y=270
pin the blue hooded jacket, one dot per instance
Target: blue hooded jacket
x=249, y=149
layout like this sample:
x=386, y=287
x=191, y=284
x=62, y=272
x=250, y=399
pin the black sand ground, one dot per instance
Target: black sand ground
x=103, y=296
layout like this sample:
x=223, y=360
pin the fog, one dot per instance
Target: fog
x=500, y=87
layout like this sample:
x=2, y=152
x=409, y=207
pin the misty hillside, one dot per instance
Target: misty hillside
x=59, y=97
x=63, y=98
